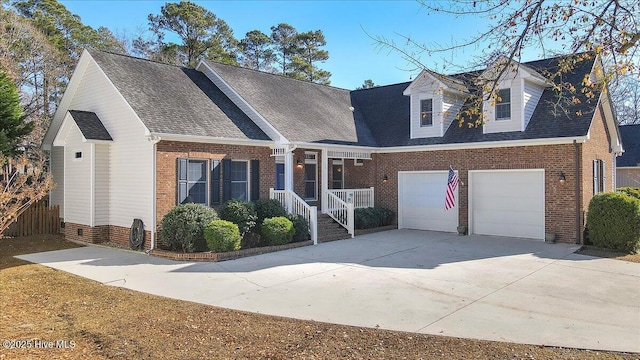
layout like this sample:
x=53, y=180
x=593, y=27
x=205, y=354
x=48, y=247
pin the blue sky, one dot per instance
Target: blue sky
x=353, y=55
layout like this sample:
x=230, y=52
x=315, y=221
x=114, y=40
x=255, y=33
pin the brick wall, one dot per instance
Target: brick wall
x=596, y=148
x=102, y=233
x=169, y=151
x=560, y=211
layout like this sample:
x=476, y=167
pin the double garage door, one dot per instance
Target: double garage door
x=501, y=202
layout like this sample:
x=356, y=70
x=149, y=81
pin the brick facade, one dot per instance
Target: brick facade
x=168, y=153
x=596, y=148
x=560, y=207
x=102, y=233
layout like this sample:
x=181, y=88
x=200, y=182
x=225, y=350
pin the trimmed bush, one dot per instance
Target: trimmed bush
x=371, y=217
x=300, y=228
x=182, y=229
x=222, y=236
x=241, y=213
x=268, y=208
x=614, y=222
x=277, y=230
x=631, y=191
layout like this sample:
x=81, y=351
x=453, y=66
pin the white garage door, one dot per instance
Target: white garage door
x=421, y=201
x=507, y=203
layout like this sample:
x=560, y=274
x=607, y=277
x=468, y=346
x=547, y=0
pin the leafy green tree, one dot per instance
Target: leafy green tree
x=285, y=42
x=12, y=125
x=50, y=40
x=309, y=51
x=201, y=32
x=256, y=52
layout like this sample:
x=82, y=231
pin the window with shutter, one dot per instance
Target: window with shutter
x=192, y=181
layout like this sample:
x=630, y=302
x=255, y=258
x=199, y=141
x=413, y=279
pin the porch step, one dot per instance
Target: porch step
x=329, y=230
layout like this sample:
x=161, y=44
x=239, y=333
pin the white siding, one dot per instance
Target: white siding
x=130, y=164
x=435, y=129
x=77, y=178
x=451, y=107
x=56, y=163
x=532, y=94
x=101, y=184
x=515, y=122
x=628, y=177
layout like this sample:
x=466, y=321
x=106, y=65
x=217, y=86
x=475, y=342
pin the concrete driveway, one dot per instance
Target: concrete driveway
x=481, y=287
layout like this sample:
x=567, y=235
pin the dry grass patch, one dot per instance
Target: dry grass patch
x=604, y=253
x=37, y=302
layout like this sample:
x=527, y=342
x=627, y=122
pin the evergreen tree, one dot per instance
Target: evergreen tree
x=256, y=52
x=12, y=125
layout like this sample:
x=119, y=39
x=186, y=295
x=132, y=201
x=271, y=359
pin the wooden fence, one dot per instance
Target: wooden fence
x=39, y=218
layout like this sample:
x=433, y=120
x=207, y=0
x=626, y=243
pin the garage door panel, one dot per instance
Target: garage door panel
x=508, y=203
x=421, y=202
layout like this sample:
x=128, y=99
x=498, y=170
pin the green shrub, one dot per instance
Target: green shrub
x=268, y=208
x=222, y=236
x=371, y=217
x=182, y=229
x=241, y=213
x=300, y=228
x=277, y=230
x=631, y=191
x=614, y=222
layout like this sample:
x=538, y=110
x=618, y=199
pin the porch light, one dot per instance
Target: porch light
x=299, y=164
x=385, y=179
x=563, y=178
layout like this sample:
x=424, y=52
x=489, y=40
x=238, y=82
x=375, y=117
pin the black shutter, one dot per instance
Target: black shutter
x=215, y=182
x=182, y=181
x=255, y=180
x=226, y=179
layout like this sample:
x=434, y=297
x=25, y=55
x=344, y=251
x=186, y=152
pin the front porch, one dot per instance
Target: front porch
x=308, y=180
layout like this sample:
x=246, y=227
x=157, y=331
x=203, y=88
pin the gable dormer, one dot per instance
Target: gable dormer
x=510, y=106
x=435, y=102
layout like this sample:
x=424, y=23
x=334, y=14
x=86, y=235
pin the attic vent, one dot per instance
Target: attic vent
x=78, y=155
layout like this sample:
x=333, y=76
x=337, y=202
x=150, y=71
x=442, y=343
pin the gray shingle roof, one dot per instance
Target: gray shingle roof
x=176, y=100
x=630, y=135
x=387, y=115
x=90, y=125
x=299, y=110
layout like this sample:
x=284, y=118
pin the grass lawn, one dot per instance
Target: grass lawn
x=105, y=322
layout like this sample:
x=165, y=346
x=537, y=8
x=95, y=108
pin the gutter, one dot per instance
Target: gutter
x=213, y=140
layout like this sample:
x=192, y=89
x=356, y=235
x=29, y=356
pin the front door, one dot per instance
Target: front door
x=337, y=175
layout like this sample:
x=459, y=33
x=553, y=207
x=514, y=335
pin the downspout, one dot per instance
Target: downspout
x=154, y=140
x=579, y=239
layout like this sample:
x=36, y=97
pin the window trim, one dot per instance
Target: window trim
x=248, y=181
x=207, y=180
x=311, y=158
x=280, y=161
x=502, y=102
x=427, y=112
x=599, y=176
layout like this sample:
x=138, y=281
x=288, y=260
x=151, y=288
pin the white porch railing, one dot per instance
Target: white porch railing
x=295, y=205
x=361, y=198
x=342, y=212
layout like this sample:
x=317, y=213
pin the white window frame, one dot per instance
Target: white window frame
x=78, y=158
x=502, y=102
x=429, y=112
x=279, y=160
x=248, y=181
x=311, y=158
x=207, y=180
x=358, y=162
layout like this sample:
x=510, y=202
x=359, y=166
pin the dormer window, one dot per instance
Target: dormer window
x=426, y=112
x=503, y=105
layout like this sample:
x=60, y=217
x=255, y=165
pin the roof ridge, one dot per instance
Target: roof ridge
x=137, y=58
x=272, y=74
